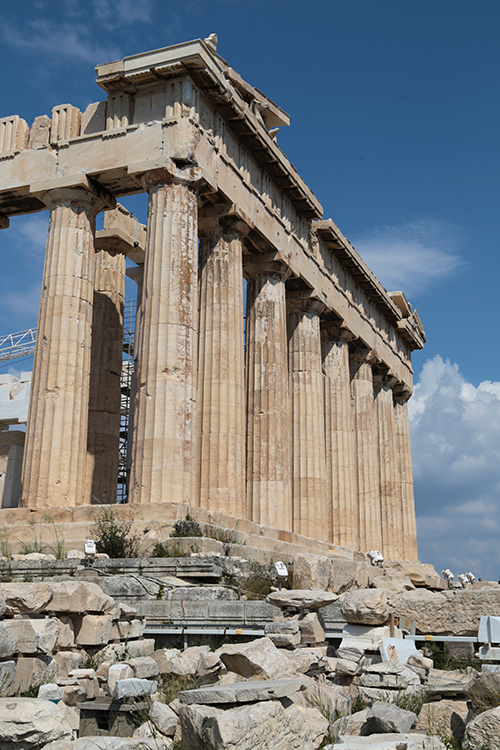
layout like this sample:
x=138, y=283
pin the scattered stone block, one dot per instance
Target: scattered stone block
x=7, y=678
x=259, y=659
x=75, y=554
x=33, y=669
x=284, y=634
x=347, y=668
x=420, y=661
x=71, y=715
x=9, y=638
x=25, y=598
x=444, y=718
x=47, y=632
x=74, y=692
x=164, y=718
x=368, y=606
x=386, y=718
x=67, y=661
x=312, y=571
x=209, y=663
x=31, y=722
x=79, y=597
x=483, y=731
x=93, y=630
x=303, y=659
x=134, y=688
x=144, y=667
x=66, y=637
x=394, y=583
x=255, y=727
x=388, y=674
x=118, y=672
x=187, y=662
x=163, y=656
x=352, y=653
x=50, y=692
x=351, y=725
x=324, y=696
x=120, y=651
x=312, y=628
x=243, y=692
x=449, y=682
x=301, y=599
x=127, y=629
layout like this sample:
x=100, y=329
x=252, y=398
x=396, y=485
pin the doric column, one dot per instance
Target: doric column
x=221, y=387
x=342, y=510
x=56, y=437
x=164, y=451
x=370, y=522
x=309, y=485
x=268, y=450
x=136, y=273
x=105, y=373
x=405, y=475
x=392, y=523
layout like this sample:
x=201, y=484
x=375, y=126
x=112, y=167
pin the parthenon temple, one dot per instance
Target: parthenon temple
x=289, y=409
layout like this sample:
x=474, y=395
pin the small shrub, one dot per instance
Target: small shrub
x=186, y=528
x=172, y=685
x=34, y=544
x=226, y=536
x=164, y=549
x=358, y=704
x=409, y=701
x=112, y=535
x=258, y=584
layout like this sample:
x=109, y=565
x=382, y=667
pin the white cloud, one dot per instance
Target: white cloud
x=411, y=257
x=114, y=13
x=455, y=432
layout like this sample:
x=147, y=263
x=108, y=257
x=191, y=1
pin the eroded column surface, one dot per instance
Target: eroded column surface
x=164, y=451
x=309, y=485
x=405, y=476
x=56, y=436
x=136, y=273
x=366, y=433
x=105, y=374
x=268, y=450
x=342, y=508
x=390, y=506
x=221, y=386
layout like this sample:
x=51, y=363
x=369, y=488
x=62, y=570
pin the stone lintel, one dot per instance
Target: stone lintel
x=228, y=216
x=168, y=172
x=82, y=181
x=4, y=221
x=118, y=240
x=388, y=380
x=336, y=330
x=255, y=265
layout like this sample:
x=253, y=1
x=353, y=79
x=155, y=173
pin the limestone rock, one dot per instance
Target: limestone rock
x=209, y=663
x=445, y=718
x=284, y=634
x=347, y=575
x=318, y=723
x=40, y=132
x=420, y=574
x=388, y=674
x=118, y=672
x=30, y=722
x=74, y=692
x=120, y=651
x=7, y=678
x=259, y=659
x=351, y=725
x=396, y=584
x=163, y=656
x=67, y=660
x=186, y=663
x=50, y=692
x=449, y=682
x=93, y=630
x=243, y=692
x=144, y=667
x=303, y=659
x=33, y=669
x=347, y=668
x=134, y=688
x=47, y=632
x=386, y=717
x=25, y=598
x=70, y=714
x=368, y=606
x=126, y=629
x=8, y=640
x=111, y=743
x=79, y=597
x=388, y=742
x=352, y=653
x=485, y=690
x=66, y=637
x=36, y=556
x=301, y=599
x=312, y=628
x=419, y=661
x=324, y=696
x=312, y=571
x=23, y=633
x=3, y=606
x=483, y=732
x=448, y=612
x=255, y=727
x=164, y=719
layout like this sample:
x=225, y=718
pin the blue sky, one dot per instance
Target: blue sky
x=395, y=117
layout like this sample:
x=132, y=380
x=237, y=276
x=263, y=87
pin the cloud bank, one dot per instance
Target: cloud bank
x=455, y=433
x=413, y=256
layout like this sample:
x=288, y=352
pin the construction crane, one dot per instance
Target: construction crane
x=15, y=345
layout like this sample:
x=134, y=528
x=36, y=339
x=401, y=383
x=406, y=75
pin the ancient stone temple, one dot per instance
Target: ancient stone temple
x=291, y=413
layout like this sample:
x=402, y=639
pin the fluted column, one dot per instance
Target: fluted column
x=268, y=450
x=221, y=387
x=342, y=509
x=309, y=485
x=103, y=436
x=392, y=522
x=370, y=522
x=56, y=437
x=136, y=273
x=164, y=451
x=405, y=476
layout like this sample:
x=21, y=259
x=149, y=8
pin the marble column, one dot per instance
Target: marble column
x=405, y=476
x=268, y=449
x=309, y=484
x=164, y=450
x=221, y=385
x=366, y=432
x=392, y=522
x=342, y=509
x=56, y=437
x=103, y=437
x=136, y=273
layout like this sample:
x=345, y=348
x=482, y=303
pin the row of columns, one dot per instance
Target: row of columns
x=290, y=431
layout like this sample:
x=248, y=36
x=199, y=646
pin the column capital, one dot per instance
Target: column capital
x=384, y=380
x=402, y=393
x=78, y=187
x=4, y=221
x=304, y=302
x=265, y=265
x=336, y=331
x=136, y=273
x=170, y=172
x=225, y=216
x=362, y=355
